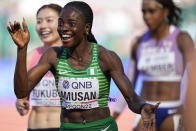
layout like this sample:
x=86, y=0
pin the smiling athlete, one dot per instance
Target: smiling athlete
x=83, y=71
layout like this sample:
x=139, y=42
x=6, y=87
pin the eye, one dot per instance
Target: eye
x=38, y=21
x=143, y=11
x=60, y=22
x=49, y=20
x=151, y=11
x=72, y=24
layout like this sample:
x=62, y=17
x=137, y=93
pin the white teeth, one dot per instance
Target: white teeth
x=44, y=33
x=66, y=36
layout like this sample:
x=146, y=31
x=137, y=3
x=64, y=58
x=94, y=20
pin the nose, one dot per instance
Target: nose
x=146, y=16
x=43, y=25
x=63, y=28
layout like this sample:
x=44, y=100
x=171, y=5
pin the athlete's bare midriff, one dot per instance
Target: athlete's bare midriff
x=161, y=91
x=44, y=117
x=82, y=116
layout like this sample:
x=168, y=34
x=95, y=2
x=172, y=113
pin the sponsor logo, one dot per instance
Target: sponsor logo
x=63, y=72
x=66, y=84
x=79, y=85
x=106, y=128
x=172, y=111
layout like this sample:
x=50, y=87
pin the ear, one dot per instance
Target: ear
x=166, y=12
x=87, y=28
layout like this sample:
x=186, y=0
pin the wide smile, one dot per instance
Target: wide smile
x=45, y=34
x=66, y=37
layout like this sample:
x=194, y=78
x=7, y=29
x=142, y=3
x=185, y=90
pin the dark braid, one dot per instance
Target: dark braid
x=55, y=7
x=174, y=16
x=86, y=10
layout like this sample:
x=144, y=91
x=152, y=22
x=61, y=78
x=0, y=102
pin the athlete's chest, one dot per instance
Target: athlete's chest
x=157, y=58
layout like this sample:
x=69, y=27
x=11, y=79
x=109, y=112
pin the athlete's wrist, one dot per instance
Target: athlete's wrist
x=141, y=107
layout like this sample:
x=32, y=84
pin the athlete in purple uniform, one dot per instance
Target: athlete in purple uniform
x=160, y=57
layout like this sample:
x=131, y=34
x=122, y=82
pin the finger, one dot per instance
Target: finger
x=25, y=26
x=25, y=112
x=156, y=106
x=150, y=128
x=26, y=103
x=144, y=126
x=12, y=26
x=19, y=25
x=9, y=30
x=21, y=104
x=16, y=25
x=21, y=107
x=147, y=126
x=21, y=112
x=153, y=126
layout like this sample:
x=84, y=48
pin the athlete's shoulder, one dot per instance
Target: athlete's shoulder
x=103, y=52
x=184, y=41
x=183, y=35
x=55, y=49
x=108, y=57
x=52, y=52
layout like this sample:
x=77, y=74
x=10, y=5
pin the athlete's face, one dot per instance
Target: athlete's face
x=153, y=14
x=72, y=27
x=47, y=22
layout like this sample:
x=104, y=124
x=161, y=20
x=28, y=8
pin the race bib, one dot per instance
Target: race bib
x=45, y=93
x=157, y=64
x=79, y=93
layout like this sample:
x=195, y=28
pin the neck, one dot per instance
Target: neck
x=80, y=51
x=161, y=31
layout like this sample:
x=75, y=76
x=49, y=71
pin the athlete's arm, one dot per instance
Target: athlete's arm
x=113, y=64
x=34, y=75
x=22, y=105
x=189, y=111
x=23, y=81
x=115, y=67
x=186, y=46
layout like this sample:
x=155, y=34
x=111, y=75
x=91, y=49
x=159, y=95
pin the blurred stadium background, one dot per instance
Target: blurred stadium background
x=116, y=23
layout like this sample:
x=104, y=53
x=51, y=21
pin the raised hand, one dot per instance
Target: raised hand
x=148, y=117
x=19, y=36
x=22, y=106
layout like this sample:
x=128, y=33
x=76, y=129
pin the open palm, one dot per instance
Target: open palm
x=148, y=117
x=19, y=36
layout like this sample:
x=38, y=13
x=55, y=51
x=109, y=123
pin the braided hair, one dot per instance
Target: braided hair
x=87, y=12
x=174, y=16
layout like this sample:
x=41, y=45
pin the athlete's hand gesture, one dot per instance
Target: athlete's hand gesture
x=22, y=106
x=148, y=117
x=20, y=36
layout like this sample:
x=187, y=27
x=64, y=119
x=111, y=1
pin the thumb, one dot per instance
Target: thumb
x=156, y=106
x=9, y=30
x=26, y=104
